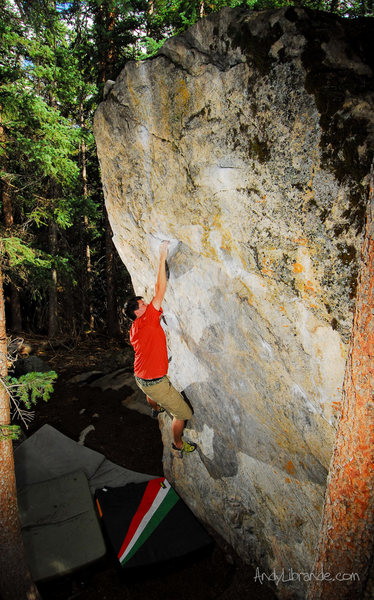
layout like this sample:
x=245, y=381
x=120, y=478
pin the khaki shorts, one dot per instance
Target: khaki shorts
x=164, y=394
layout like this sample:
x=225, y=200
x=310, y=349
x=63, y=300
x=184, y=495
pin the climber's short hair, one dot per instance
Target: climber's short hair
x=131, y=306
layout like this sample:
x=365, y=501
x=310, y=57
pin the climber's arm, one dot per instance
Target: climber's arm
x=161, y=282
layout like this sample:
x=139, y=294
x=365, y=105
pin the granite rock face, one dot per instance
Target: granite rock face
x=247, y=143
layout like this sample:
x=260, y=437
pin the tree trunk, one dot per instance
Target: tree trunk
x=345, y=547
x=52, y=308
x=15, y=578
x=113, y=326
x=150, y=12
x=106, y=20
x=89, y=278
x=88, y=288
x=15, y=303
x=15, y=310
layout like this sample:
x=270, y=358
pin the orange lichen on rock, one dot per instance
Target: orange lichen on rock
x=182, y=95
x=301, y=240
x=290, y=467
x=297, y=268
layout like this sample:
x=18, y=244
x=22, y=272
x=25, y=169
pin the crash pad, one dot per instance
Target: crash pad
x=56, y=479
x=48, y=453
x=60, y=529
x=148, y=523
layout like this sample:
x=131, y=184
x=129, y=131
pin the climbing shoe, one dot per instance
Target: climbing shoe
x=186, y=448
x=157, y=411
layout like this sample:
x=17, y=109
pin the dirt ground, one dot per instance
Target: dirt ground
x=132, y=440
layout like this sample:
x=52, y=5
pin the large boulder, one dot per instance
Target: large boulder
x=247, y=142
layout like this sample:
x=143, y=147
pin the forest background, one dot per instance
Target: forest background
x=62, y=275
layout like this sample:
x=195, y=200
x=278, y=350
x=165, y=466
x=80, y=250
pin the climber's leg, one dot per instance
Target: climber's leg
x=177, y=427
x=151, y=402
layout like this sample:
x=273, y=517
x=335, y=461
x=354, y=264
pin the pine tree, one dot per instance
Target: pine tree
x=345, y=544
x=15, y=578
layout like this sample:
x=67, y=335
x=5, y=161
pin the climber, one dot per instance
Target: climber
x=151, y=359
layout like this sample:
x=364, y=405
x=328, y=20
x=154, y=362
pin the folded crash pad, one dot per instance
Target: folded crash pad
x=58, y=517
x=48, y=454
x=59, y=525
x=148, y=523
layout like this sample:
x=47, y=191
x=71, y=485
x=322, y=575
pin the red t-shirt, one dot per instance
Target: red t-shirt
x=149, y=342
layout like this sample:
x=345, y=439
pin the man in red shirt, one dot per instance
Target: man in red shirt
x=151, y=359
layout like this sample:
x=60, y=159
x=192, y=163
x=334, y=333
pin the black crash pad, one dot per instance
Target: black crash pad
x=148, y=523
